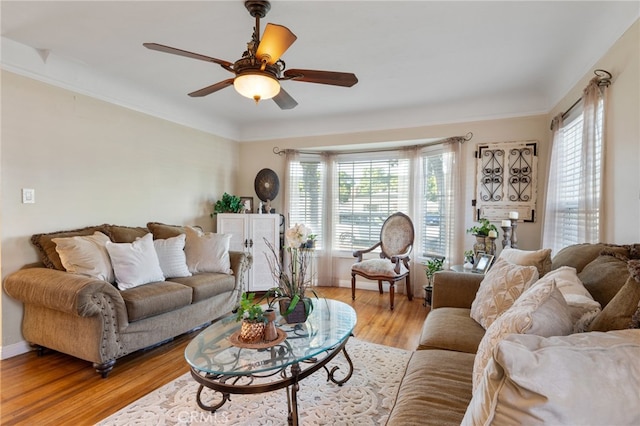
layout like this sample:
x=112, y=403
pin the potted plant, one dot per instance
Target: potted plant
x=432, y=266
x=252, y=317
x=228, y=204
x=293, y=275
x=311, y=241
x=481, y=232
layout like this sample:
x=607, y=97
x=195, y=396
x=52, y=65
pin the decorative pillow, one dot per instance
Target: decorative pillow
x=47, y=248
x=85, y=255
x=135, y=263
x=126, y=234
x=586, y=378
x=382, y=267
x=604, y=277
x=618, y=313
x=207, y=252
x=173, y=261
x=162, y=231
x=581, y=305
x=540, y=310
x=498, y=290
x=541, y=259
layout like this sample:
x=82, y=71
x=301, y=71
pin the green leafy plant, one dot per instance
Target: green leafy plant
x=482, y=229
x=228, y=204
x=249, y=310
x=432, y=266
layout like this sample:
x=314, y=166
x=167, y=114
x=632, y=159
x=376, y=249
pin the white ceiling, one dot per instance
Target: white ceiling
x=418, y=62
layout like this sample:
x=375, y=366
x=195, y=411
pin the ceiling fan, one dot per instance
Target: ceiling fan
x=259, y=71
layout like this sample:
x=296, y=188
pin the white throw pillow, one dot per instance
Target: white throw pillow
x=207, y=252
x=540, y=310
x=541, y=259
x=135, y=263
x=499, y=288
x=86, y=255
x=582, y=306
x=586, y=378
x=173, y=261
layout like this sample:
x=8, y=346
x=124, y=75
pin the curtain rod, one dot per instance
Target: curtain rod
x=460, y=139
x=604, y=79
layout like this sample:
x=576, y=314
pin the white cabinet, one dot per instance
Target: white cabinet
x=248, y=233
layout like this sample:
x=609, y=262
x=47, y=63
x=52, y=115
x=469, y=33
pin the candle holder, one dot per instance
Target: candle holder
x=491, y=249
x=514, y=237
x=506, y=236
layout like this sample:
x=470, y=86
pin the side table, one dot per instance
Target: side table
x=462, y=269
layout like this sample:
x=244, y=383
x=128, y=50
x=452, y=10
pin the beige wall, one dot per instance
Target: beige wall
x=92, y=162
x=622, y=157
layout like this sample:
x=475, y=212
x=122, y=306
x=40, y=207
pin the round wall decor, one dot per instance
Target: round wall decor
x=266, y=185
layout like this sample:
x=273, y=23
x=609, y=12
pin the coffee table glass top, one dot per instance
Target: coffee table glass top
x=211, y=351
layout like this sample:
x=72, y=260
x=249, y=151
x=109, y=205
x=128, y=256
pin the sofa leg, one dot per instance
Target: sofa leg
x=105, y=368
x=40, y=350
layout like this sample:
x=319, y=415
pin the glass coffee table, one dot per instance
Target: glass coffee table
x=227, y=369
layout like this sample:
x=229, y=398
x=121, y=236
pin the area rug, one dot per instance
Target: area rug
x=366, y=399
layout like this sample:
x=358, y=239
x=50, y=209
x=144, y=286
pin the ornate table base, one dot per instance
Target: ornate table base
x=290, y=376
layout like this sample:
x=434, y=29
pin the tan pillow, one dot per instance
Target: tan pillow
x=585, y=378
x=604, y=277
x=126, y=234
x=207, y=252
x=47, y=248
x=541, y=259
x=162, y=231
x=86, y=255
x=618, y=313
x=540, y=310
x=498, y=290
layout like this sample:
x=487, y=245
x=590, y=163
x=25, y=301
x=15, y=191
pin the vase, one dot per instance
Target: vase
x=299, y=313
x=480, y=245
x=270, y=331
x=252, y=331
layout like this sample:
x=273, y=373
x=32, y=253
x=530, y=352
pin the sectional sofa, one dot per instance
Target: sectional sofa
x=531, y=375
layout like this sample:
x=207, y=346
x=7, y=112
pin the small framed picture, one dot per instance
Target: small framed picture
x=483, y=262
x=247, y=202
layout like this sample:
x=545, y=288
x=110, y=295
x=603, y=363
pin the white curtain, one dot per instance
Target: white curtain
x=454, y=202
x=588, y=212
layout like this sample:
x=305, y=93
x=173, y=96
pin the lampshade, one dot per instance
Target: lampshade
x=256, y=85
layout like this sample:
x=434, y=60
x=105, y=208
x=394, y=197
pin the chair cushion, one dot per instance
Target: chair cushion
x=451, y=329
x=155, y=298
x=379, y=268
x=207, y=284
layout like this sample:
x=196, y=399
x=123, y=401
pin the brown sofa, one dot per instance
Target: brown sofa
x=437, y=386
x=93, y=320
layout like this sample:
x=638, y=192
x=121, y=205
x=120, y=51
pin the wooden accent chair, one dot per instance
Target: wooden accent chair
x=396, y=242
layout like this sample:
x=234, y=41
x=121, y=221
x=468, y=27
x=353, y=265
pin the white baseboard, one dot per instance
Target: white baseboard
x=14, y=350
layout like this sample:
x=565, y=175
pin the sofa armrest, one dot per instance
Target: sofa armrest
x=454, y=289
x=65, y=292
x=240, y=264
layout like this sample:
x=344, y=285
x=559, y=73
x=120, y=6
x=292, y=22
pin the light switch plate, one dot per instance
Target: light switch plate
x=28, y=195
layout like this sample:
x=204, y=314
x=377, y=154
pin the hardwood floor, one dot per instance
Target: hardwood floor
x=57, y=389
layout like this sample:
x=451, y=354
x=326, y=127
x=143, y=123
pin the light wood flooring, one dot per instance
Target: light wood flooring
x=57, y=389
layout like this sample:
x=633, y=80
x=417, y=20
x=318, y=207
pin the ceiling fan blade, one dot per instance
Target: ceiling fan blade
x=275, y=41
x=180, y=52
x=284, y=100
x=213, y=88
x=345, y=79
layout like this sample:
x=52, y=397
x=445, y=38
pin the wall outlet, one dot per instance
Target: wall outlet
x=28, y=196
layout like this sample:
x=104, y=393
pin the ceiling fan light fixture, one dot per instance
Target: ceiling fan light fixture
x=256, y=85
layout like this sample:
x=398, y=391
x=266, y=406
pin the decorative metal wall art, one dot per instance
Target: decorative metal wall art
x=507, y=180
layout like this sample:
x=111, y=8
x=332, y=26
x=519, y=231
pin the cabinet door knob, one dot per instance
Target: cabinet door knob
x=251, y=243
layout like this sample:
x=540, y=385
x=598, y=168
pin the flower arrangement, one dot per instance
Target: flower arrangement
x=292, y=274
x=482, y=229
